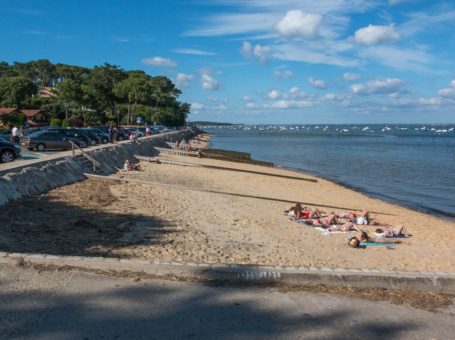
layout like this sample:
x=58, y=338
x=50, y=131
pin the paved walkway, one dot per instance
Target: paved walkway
x=74, y=305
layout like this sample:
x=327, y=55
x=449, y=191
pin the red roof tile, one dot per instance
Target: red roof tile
x=6, y=110
x=30, y=113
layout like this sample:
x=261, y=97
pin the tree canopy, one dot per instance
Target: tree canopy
x=98, y=95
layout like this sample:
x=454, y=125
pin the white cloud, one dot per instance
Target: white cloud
x=251, y=105
x=35, y=32
x=333, y=96
x=285, y=74
x=351, y=76
x=434, y=101
x=373, y=35
x=427, y=22
x=296, y=92
x=262, y=53
x=159, y=61
x=193, y=51
x=197, y=106
x=378, y=86
x=259, y=17
x=448, y=92
x=274, y=94
x=247, y=50
x=317, y=84
x=209, y=83
x=399, y=58
x=183, y=79
x=397, y=2
x=290, y=104
x=321, y=53
x=221, y=107
x=298, y=24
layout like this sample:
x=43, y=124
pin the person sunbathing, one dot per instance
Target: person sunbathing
x=131, y=166
x=323, y=222
x=356, y=241
x=348, y=226
x=390, y=233
x=362, y=218
x=303, y=213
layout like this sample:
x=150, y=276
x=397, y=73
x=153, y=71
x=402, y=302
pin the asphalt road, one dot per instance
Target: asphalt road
x=75, y=305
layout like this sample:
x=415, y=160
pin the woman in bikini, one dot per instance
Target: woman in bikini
x=362, y=218
x=355, y=241
x=303, y=213
x=389, y=233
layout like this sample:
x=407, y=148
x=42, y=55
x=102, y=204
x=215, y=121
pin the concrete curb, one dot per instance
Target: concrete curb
x=250, y=274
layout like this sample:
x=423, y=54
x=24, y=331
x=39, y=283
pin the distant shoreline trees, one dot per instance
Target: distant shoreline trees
x=104, y=94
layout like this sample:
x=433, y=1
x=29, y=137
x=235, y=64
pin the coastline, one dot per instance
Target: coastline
x=178, y=212
x=441, y=214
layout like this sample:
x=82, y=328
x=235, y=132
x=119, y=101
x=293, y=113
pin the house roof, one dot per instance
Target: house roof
x=31, y=113
x=6, y=110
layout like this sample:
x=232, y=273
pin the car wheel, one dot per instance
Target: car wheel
x=93, y=142
x=120, y=138
x=7, y=156
x=40, y=147
x=104, y=140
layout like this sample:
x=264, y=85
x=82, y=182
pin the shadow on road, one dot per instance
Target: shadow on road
x=151, y=311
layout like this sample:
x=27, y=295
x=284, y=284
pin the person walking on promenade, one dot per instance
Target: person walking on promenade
x=15, y=135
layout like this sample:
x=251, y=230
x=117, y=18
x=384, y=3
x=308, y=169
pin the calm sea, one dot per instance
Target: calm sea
x=412, y=165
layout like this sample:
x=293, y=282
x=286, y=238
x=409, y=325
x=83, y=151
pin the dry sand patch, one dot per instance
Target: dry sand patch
x=97, y=217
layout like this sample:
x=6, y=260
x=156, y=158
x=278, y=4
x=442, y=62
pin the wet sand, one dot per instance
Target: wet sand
x=237, y=218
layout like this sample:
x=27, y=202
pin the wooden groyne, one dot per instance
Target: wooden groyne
x=204, y=154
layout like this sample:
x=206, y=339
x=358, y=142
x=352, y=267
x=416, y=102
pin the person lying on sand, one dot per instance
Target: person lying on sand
x=362, y=218
x=389, y=233
x=355, y=241
x=331, y=224
x=303, y=213
x=131, y=166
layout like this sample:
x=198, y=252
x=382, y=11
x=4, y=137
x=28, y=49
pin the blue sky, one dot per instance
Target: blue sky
x=260, y=61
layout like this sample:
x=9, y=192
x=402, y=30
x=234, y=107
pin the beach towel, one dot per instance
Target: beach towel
x=324, y=231
x=368, y=244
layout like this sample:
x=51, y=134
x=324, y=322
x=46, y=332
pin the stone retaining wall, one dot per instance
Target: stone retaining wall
x=41, y=176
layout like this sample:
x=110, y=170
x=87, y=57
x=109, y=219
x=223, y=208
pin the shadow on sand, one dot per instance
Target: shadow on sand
x=42, y=224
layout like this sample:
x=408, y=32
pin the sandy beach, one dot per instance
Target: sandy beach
x=187, y=213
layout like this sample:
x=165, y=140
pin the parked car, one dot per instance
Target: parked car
x=5, y=135
x=51, y=139
x=102, y=136
x=8, y=151
x=78, y=134
x=139, y=132
x=122, y=133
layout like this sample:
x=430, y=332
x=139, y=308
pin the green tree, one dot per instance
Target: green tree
x=134, y=90
x=14, y=91
x=102, y=82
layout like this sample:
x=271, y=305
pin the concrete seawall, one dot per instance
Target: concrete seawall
x=40, y=176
